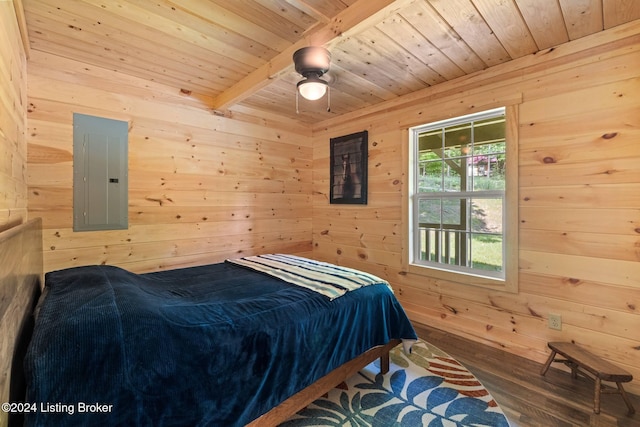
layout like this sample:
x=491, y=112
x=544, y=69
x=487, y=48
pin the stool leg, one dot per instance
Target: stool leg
x=596, y=399
x=574, y=370
x=626, y=398
x=545, y=368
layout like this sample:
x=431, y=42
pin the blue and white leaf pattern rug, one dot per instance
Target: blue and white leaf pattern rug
x=426, y=388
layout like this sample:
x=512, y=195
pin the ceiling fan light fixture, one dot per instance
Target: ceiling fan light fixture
x=312, y=87
x=311, y=63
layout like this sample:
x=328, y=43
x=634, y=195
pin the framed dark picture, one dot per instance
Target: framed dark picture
x=349, y=169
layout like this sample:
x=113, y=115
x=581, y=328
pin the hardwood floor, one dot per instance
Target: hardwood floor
x=527, y=398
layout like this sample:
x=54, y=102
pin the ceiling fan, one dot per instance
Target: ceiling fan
x=312, y=63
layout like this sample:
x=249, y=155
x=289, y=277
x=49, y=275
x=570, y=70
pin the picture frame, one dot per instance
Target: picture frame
x=348, y=169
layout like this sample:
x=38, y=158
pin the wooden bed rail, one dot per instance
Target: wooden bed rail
x=298, y=401
x=21, y=279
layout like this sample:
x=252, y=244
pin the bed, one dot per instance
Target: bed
x=219, y=344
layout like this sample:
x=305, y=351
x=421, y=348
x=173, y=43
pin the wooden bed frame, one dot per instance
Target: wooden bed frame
x=289, y=407
x=21, y=282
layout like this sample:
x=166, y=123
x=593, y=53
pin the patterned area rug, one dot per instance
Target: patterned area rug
x=426, y=388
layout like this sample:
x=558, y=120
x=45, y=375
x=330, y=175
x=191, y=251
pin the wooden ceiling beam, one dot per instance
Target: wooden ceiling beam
x=310, y=10
x=350, y=21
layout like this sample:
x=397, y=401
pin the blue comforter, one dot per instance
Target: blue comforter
x=215, y=345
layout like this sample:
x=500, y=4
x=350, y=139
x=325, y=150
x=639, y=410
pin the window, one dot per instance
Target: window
x=459, y=207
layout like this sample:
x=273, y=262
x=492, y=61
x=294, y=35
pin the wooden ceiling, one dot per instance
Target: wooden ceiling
x=239, y=52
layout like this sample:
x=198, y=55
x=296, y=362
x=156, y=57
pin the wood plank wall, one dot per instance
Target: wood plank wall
x=579, y=201
x=201, y=187
x=13, y=120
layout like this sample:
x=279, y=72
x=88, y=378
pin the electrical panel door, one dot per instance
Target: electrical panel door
x=100, y=170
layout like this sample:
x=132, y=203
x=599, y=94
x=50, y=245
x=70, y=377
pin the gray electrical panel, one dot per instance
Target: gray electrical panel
x=100, y=171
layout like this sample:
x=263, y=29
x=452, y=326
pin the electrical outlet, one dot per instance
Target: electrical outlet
x=555, y=322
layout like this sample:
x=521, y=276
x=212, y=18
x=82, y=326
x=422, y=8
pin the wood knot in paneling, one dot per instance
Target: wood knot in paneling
x=451, y=309
x=533, y=312
x=159, y=201
x=610, y=135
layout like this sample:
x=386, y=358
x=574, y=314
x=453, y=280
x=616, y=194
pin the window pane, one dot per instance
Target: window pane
x=455, y=176
x=489, y=172
x=430, y=178
x=486, y=252
x=431, y=140
x=444, y=246
x=429, y=244
x=430, y=212
x=489, y=130
x=429, y=219
x=457, y=139
x=454, y=213
x=486, y=215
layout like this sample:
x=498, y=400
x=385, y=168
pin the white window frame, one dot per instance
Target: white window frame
x=507, y=279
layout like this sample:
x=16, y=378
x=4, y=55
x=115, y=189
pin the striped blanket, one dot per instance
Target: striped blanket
x=327, y=279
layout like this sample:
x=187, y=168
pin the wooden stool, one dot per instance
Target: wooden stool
x=580, y=360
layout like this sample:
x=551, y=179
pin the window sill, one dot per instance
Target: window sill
x=504, y=285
